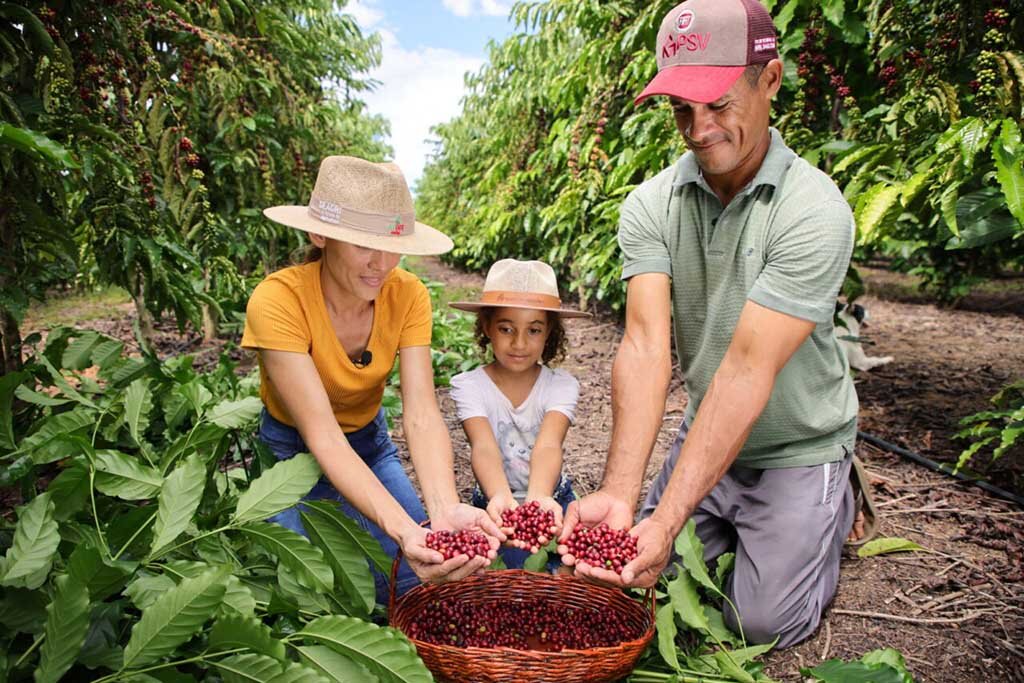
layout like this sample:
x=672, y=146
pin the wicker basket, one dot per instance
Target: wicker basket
x=507, y=665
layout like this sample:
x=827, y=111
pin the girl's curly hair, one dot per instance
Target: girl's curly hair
x=554, y=347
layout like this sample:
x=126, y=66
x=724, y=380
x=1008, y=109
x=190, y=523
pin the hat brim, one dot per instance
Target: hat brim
x=423, y=241
x=475, y=306
x=696, y=83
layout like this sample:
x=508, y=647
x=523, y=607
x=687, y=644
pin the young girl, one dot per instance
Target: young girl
x=516, y=410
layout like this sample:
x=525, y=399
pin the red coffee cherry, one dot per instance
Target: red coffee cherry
x=453, y=543
x=602, y=546
x=529, y=524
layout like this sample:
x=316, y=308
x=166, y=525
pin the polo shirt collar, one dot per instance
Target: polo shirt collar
x=773, y=168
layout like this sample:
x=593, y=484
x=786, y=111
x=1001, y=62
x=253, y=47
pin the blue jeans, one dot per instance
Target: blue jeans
x=375, y=447
x=515, y=557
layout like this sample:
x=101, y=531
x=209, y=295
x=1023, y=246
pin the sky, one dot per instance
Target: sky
x=428, y=45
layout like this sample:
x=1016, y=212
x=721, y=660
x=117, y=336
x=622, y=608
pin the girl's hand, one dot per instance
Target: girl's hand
x=547, y=504
x=499, y=504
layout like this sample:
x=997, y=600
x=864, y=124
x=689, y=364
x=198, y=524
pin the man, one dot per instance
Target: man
x=741, y=247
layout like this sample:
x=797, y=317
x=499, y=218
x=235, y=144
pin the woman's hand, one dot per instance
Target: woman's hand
x=429, y=565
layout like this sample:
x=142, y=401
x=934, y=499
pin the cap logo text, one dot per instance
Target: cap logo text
x=764, y=44
x=684, y=20
x=691, y=42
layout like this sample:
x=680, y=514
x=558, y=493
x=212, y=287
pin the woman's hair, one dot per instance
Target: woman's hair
x=312, y=253
x=554, y=347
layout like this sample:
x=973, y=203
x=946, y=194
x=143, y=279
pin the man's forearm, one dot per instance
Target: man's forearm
x=731, y=406
x=640, y=378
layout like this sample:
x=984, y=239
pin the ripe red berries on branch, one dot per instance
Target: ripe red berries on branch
x=185, y=145
x=602, y=547
x=453, y=543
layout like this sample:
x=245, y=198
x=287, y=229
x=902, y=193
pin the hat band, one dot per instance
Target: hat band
x=497, y=297
x=396, y=224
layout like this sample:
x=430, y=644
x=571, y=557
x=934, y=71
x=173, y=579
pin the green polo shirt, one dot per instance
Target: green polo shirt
x=783, y=242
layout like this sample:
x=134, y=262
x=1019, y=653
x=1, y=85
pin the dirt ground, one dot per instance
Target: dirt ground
x=956, y=611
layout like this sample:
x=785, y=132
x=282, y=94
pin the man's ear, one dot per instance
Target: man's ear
x=771, y=77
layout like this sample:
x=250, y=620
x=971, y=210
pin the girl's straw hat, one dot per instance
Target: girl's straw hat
x=366, y=204
x=520, y=284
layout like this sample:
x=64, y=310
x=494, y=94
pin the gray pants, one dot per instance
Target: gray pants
x=787, y=527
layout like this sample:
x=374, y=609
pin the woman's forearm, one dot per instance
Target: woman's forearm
x=430, y=448
x=489, y=470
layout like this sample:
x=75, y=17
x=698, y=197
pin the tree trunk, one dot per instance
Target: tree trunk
x=146, y=329
x=10, y=343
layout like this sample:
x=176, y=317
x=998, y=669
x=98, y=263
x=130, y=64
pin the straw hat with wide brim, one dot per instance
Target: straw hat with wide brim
x=366, y=204
x=520, y=284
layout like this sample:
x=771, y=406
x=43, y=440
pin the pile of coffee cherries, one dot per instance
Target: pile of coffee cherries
x=601, y=546
x=452, y=543
x=529, y=524
x=521, y=624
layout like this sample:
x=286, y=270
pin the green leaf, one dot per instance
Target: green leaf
x=724, y=565
x=102, y=577
x=346, y=559
x=881, y=546
x=691, y=551
x=146, y=590
x=179, y=499
x=121, y=475
x=1009, y=161
x=37, y=145
x=67, y=622
x=235, y=414
x=730, y=668
x=384, y=651
x=295, y=552
x=279, y=488
x=683, y=592
x=834, y=11
x=872, y=209
x=891, y=658
x=334, y=666
x=665, y=625
x=253, y=668
x=69, y=490
x=537, y=561
x=23, y=611
x=367, y=544
x=78, y=353
x=45, y=444
x=28, y=560
x=837, y=671
x=175, y=617
x=238, y=599
x=8, y=384
x=138, y=402
x=233, y=631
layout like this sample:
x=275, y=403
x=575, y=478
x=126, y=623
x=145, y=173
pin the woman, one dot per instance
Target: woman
x=328, y=333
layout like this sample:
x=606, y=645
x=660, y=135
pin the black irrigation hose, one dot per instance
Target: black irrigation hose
x=939, y=467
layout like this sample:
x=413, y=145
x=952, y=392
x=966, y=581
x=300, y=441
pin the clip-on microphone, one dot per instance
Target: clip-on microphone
x=364, y=359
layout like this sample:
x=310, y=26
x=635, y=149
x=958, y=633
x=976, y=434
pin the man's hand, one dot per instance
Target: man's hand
x=654, y=542
x=590, y=511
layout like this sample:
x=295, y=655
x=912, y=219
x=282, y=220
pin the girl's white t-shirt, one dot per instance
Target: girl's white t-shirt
x=515, y=429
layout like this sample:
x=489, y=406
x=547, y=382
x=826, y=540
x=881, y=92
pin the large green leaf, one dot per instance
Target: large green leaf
x=175, y=617
x=279, y=488
x=384, y=651
x=179, y=498
x=235, y=414
x=121, y=475
x=23, y=611
x=253, y=668
x=334, y=666
x=295, y=552
x=982, y=219
x=238, y=599
x=346, y=558
x=872, y=209
x=44, y=444
x=36, y=144
x=78, y=354
x=138, y=402
x=233, y=631
x=683, y=592
x=837, y=671
x=67, y=622
x=665, y=624
x=1007, y=152
x=69, y=490
x=691, y=551
x=147, y=589
x=36, y=538
x=101, y=576
x=367, y=544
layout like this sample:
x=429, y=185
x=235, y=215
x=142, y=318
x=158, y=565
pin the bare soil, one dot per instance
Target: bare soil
x=956, y=611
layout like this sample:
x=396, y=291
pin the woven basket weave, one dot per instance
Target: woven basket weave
x=507, y=665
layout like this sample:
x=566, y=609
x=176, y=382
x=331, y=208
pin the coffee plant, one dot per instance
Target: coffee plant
x=139, y=140
x=141, y=552
x=914, y=108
